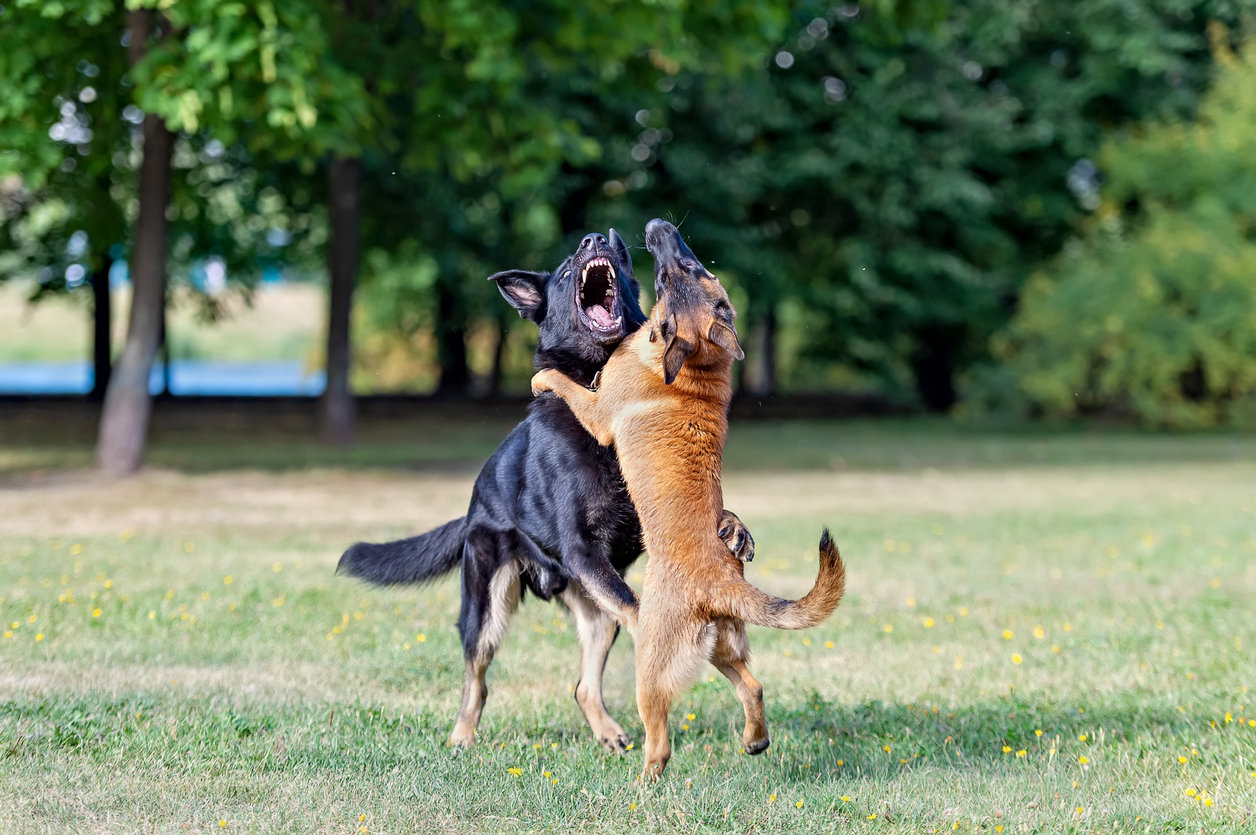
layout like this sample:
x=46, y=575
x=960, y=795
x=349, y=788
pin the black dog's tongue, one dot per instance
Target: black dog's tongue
x=599, y=316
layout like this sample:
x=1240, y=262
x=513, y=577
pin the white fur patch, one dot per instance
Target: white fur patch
x=503, y=594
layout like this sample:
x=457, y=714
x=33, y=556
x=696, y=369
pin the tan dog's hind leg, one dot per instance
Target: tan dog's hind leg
x=732, y=652
x=597, y=633
x=503, y=598
x=671, y=649
x=582, y=402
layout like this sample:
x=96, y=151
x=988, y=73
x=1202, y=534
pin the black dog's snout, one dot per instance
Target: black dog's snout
x=594, y=241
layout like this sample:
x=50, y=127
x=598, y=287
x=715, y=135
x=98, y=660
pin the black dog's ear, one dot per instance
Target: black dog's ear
x=525, y=291
x=621, y=250
x=676, y=349
x=725, y=336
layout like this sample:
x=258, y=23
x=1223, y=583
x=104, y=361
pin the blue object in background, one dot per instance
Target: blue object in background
x=257, y=379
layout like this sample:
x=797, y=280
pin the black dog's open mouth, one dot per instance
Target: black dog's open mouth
x=597, y=299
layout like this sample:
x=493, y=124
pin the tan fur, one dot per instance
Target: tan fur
x=670, y=442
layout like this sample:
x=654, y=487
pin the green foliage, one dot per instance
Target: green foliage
x=1153, y=313
x=888, y=183
x=69, y=138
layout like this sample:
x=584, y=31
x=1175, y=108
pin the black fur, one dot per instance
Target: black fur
x=549, y=494
x=414, y=560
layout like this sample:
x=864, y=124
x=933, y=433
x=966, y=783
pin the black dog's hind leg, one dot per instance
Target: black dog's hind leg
x=490, y=593
x=597, y=630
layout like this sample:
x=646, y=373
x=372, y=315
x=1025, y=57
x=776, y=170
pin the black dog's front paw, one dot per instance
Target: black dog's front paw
x=736, y=536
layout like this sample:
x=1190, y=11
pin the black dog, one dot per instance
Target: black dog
x=550, y=511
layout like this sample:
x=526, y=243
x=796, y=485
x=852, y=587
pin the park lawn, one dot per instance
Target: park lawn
x=1043, y=632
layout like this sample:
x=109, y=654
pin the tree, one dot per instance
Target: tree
x=1152, y=313
x=241, y=73
x=484, y=104
x=61, y=220
x=877, y=192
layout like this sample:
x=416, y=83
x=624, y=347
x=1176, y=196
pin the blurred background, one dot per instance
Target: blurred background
x=1022, y=209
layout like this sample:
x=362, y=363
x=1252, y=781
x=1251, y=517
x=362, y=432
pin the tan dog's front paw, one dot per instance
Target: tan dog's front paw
x=543, y=380
x=736, y=536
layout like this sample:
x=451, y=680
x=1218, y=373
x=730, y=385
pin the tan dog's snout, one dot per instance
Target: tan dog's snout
x=697, y=314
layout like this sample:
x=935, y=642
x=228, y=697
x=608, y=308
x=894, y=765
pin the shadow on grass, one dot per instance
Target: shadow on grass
x=812, y=742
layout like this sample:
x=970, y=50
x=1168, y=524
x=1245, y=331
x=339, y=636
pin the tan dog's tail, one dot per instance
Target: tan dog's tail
x=762, y=609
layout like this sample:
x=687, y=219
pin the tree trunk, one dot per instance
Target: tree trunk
x=124, y=418
x=165, y=352
x=336, y=410
x=499, y=351
x=452, y=346
x=933, y=363
x=758, y=375
x=102, y=318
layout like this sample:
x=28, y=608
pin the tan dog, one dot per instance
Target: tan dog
x=663, y=402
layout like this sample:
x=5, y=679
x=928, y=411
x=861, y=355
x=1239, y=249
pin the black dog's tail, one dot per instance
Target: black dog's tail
x=414, y=560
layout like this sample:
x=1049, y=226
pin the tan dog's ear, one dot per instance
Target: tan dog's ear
x=725, y=336
x=676, y=349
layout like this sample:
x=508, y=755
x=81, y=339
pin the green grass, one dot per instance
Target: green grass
x=189, y=700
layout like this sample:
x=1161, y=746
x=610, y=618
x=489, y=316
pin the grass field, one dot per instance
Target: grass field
x=1044, y=632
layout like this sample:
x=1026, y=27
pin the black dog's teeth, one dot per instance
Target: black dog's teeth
x=599, y=293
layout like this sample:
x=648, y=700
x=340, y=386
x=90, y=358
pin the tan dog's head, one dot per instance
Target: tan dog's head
x=692, y=312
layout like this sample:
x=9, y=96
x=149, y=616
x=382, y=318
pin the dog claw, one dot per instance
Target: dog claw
x=618, y=745
x=736, y=537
